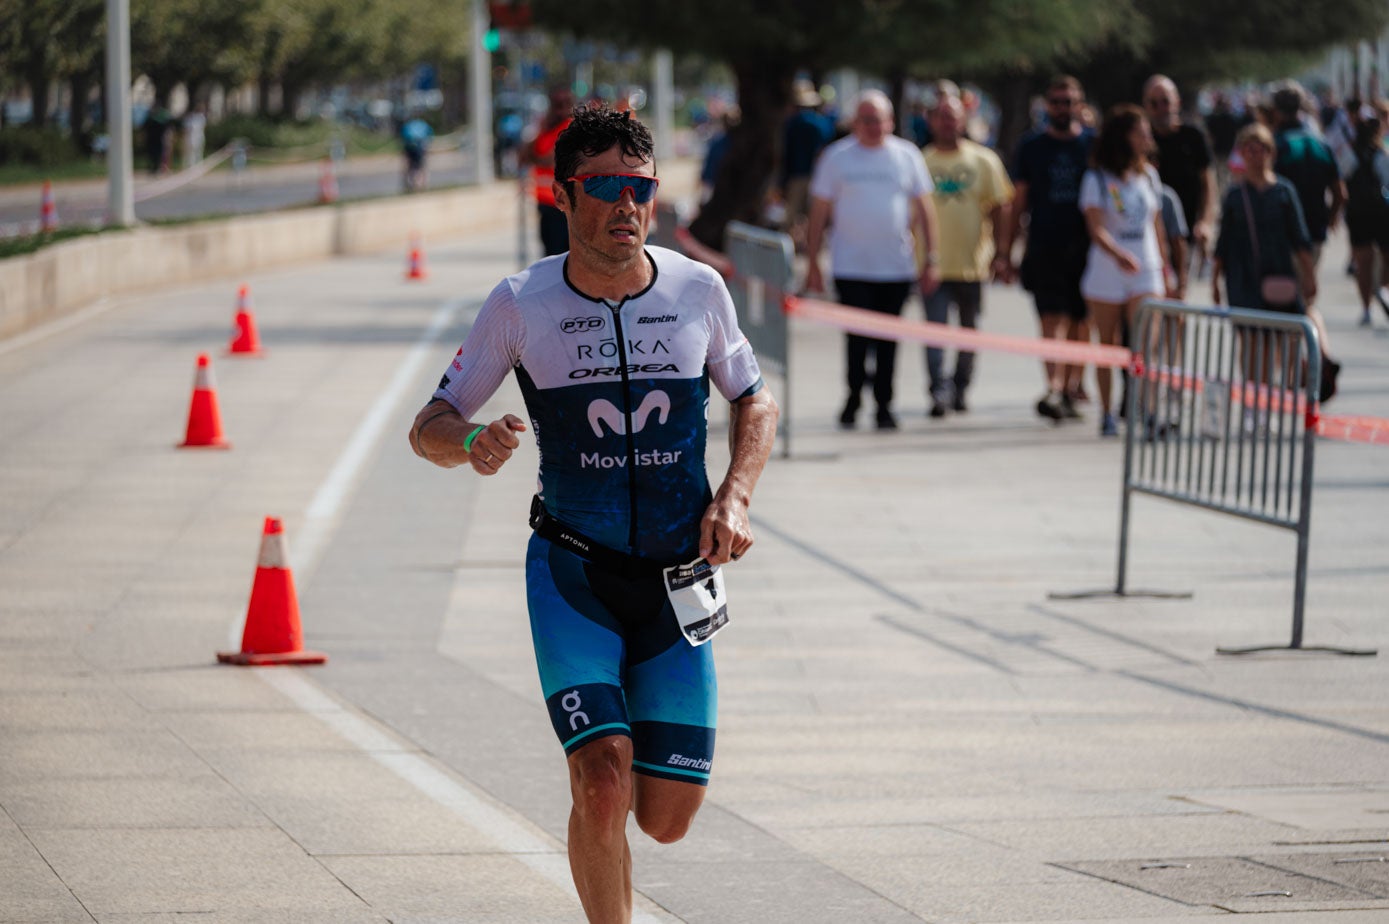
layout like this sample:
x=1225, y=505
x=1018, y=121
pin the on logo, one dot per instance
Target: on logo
x=578, y=325
x=573, y=709
x=602, y=411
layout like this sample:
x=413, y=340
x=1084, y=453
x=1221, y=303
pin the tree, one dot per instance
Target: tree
x=766, y=44
x=193, y=42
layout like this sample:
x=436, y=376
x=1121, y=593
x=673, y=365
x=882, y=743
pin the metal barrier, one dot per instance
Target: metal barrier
x=669, y=217
x=763, y=264
x=1222, y=415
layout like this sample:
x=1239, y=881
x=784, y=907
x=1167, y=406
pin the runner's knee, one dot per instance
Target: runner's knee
x=663, y=825
x=600, y=776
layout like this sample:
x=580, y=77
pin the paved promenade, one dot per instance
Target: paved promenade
x=911, y=730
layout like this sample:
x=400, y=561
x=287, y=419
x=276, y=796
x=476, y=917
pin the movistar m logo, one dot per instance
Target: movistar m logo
x=602, y=411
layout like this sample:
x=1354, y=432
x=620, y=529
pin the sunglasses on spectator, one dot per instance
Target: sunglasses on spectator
x=1060, y=101
x=609, y=187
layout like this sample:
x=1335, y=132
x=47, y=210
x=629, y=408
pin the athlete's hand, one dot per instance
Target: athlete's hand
x=724, y=534
x=494, y=445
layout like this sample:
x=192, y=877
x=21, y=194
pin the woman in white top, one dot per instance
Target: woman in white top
x=1121, y=197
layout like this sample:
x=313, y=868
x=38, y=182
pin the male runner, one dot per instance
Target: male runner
x=614, y=346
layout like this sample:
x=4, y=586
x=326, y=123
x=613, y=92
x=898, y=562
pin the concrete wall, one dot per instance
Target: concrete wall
x=68, y=276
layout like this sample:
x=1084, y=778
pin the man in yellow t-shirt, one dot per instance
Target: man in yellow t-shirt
x=972, y=194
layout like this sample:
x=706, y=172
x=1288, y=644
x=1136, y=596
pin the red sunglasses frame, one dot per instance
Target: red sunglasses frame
x=655, y=184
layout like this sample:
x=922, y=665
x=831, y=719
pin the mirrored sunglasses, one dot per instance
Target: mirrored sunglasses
x=610, y=186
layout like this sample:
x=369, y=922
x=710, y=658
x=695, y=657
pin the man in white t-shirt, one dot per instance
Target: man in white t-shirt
x=873, y=189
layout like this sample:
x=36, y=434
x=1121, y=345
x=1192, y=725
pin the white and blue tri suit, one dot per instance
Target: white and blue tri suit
x=618, y=399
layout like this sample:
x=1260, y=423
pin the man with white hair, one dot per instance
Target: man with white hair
x=874, y=189
x=1184, y=159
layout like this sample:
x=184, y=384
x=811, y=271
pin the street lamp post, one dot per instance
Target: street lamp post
x=120, y=202
x=481, y=94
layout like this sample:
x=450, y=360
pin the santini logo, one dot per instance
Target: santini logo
x=694, y=763
x=659, y=319
x=602, y=411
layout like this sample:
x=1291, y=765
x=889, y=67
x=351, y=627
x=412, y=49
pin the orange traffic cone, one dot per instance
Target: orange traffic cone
x=245, y=340
x=48, y=210
x=272, y=634
x=328, y=183
x=204, y=420
x=416, y=269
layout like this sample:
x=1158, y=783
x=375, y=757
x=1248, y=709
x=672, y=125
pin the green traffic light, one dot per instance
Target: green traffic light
x=492, y=41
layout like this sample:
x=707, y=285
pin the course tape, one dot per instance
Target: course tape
x=178, y=180
x=1371, y=430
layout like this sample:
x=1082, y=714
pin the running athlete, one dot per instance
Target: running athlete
x=614, y=346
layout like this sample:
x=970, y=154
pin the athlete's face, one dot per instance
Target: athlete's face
x=610, y=232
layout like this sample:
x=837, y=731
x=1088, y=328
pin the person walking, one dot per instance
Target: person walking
x=1122, y=200
x=540, y=154
x=1047, y=170
x=971, y=193
x=1367, y=211
x=875, y=189
x=804, y=135
x=1184, y=160
x=614, y=345
x=415, y=136
x=1264, y=254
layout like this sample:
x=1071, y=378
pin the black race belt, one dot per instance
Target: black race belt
x=609, y=559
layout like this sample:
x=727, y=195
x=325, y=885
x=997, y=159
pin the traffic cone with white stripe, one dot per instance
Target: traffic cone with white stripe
x=416, y=265
x=328, y=183
x=272, y=634
x=48, y=210
x=204, y=420
x=245, y=341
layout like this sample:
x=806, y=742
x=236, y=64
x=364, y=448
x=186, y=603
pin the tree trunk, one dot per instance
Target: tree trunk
x=748, y=169
x=897, y=93
x=263, y=85
x=1014, y=99
x=81, y=86
x=39, y=84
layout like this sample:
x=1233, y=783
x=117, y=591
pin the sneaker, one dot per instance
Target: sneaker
x=1050, y=406
x=1382, y=296
x=1365, y=319
x=957, y=404
x=885, y=420
x=849, y=416
x=1069, y=410
x=938, y=408
x=1109, y=426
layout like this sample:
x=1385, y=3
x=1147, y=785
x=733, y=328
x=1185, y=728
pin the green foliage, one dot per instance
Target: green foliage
x=31, y=243
x=37, y=147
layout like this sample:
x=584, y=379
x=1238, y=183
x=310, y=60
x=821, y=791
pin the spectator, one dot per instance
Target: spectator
x=1122, y=201
x=1047, y=171
x=194, y=135
x=875, y=187
x=415, y=135
x=1308, y=164
x=716, y=150
x=1184, y=158
x=1263, y=235
x=540, y=154
x=1367, y=211
x=1222, y=124
x=805, y=135
x=971, y=195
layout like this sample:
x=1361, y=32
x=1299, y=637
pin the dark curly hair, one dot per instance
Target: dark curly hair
x=596, y=129
x=1113, y=151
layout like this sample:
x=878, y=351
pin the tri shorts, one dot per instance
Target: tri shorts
x=1367, y=231
x=1104, y=281
x=612, y=661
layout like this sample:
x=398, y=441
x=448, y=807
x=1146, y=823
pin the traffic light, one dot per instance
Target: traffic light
x=492, y=40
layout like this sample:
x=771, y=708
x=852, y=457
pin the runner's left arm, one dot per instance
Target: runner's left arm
x=725, y=532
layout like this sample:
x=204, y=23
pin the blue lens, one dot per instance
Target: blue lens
x=610, y=186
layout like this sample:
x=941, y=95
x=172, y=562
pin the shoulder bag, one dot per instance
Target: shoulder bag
x=1276, y=291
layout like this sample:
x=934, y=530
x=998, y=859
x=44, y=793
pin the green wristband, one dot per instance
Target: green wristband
x=468, y=443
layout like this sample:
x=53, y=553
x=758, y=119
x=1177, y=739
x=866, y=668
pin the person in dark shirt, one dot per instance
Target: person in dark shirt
x=804, y=136
x=1184, y=159
x=1046, y=176
x=1308, y=164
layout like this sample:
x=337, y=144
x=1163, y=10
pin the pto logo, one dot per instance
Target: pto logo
x=602, y=411
x=579, y=325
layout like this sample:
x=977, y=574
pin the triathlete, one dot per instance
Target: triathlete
x=614, y=346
